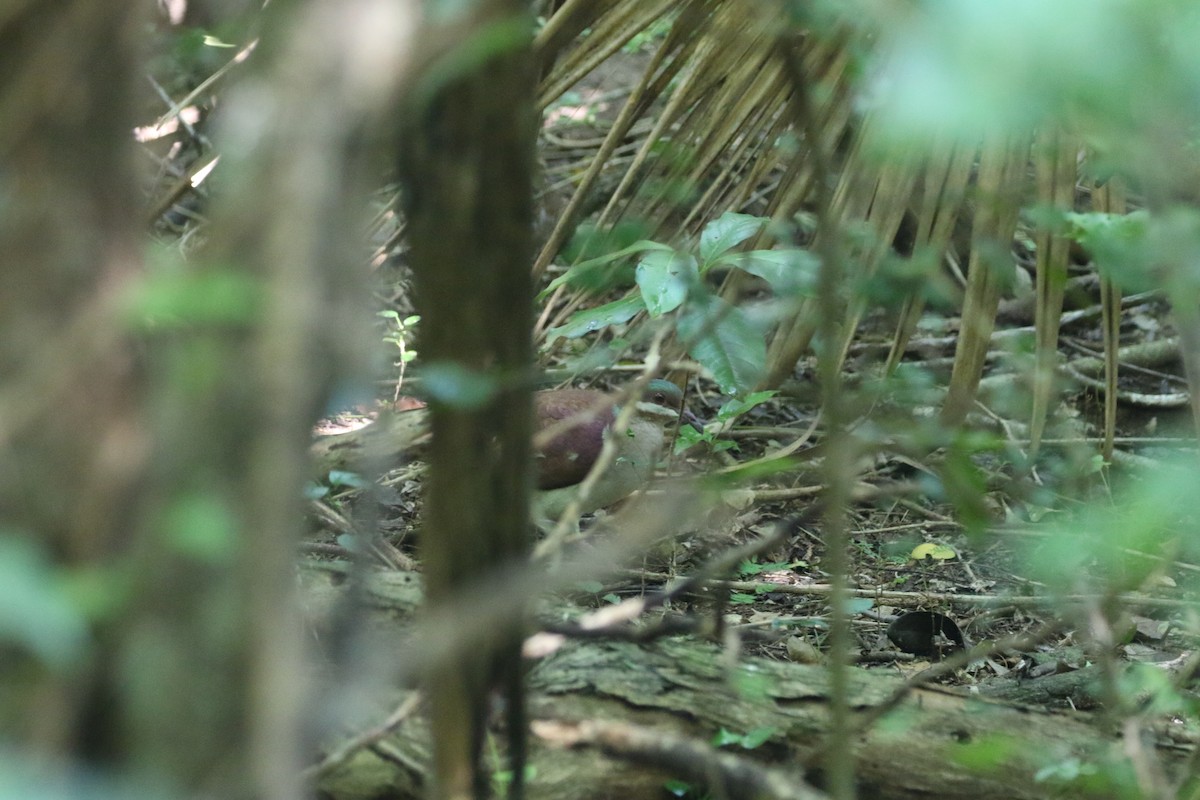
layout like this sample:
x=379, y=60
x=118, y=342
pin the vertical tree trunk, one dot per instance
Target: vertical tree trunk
x=73, y=442
x=154, y=426
x=467, y=160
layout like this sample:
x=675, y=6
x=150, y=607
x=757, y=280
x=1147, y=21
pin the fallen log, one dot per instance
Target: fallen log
x=617, y=719
x=386, y=440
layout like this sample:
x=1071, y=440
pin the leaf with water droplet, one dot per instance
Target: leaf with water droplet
x=594, y=319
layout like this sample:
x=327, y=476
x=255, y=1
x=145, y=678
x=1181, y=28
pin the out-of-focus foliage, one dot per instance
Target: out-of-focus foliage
x=1118, y=545
x=1114, y=66
x=38, y=613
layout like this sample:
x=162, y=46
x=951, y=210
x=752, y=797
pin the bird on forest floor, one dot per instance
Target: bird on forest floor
x=577, y=422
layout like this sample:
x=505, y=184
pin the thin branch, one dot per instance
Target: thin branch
x=365, y=739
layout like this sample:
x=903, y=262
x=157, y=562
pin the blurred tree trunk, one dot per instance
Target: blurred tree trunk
x=70, y=244
x=467, y=159
x=74, y=444
x=154, y=425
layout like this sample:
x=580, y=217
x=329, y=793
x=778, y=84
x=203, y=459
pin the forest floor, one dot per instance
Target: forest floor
x=931, y=568
x=970, y=567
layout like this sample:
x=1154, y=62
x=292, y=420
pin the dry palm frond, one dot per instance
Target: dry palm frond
x=878, y=192
x=945, y=183
x=1055, y=163
x=872, y=190
x=715, y=92
x=1110, y=198
x=719, y=132
x=1002, y=168
x=611, y=26
x=663, y=68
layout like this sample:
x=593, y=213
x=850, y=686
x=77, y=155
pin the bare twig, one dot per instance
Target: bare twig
x=724, y=774
x=365, y=739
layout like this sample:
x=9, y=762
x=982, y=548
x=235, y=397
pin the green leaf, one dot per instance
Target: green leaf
x=725, y=232
x=585, y=269
x=756, y=738
x=677, y=788
x=751, y=684
x=1065, y=771
x=201, y=525
x=724, y=738
x=501, y=778
x=1155, y=690
x=751, y=568
x=986, y=753
x=859, y=605
x=352, y=480
x=24, y=776
x=749, y=473
x=594, y=319
x=723, y=340
x=735, y=408
x=965, y=486
x=664, y=278
x=742, y=598
x=456, y=386
x=176, y=299
x=351, y=543
x=35, y=610
x=689, y=437
x=790, y=272
x=1119, y=243
x=99, y=593
x=590, y=242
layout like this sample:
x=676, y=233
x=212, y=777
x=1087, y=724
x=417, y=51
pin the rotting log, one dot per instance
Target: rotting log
x=387, y=440
x=682, y=689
